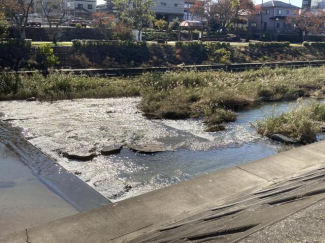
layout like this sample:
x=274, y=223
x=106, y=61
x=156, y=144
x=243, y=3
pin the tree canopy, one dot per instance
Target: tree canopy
x=137, y=13
x=18, y=11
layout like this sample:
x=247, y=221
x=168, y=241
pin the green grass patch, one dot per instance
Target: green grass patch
x=38, y=43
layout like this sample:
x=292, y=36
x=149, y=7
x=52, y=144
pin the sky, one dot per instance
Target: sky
x=293, y=2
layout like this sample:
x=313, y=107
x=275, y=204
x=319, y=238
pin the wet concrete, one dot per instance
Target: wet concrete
x=55, y=177
x=24, y=200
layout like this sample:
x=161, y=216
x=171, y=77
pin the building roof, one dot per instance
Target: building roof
x=191, y=24
x=271, y=4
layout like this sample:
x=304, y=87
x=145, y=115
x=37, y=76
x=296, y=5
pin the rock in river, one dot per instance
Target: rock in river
x=31, y=99
x=146, y=148
x=216, y=128
x=79, y=156
x=111, y=149
x=283, y=139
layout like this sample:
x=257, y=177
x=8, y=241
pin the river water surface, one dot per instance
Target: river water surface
x=91, y=124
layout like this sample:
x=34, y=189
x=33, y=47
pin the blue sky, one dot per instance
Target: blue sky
x=293, y=2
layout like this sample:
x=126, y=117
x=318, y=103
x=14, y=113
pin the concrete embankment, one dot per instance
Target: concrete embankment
x=34, y=189
x=227, y=205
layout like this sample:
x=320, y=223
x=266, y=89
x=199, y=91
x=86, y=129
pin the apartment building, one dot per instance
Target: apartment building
x=274, y=16
x=187, y=9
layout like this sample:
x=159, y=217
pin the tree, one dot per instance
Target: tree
x=104, y=22
x=204, y=10
x=161, y=24
x=308, y=22
x=18, y=11
x=137, y=13
x=174, y=25
x=4, y=25
x=224, y=11
x=54, y=12
x=241, y=8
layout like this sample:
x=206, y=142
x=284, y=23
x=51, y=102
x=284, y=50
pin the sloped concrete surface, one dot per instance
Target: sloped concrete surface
x=24, y=200
x=226, y=206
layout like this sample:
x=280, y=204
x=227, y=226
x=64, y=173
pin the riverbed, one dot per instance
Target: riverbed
x=91, y=124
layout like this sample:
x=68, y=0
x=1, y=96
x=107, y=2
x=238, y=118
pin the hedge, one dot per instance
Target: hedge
x=14, y=53
x=314, y=44
x=269, y=44
x=155, y=35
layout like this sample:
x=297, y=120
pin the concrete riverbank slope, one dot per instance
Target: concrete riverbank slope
x=34, y=189
x=227, y=206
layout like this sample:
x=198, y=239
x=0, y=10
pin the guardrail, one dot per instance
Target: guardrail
x=200, y=68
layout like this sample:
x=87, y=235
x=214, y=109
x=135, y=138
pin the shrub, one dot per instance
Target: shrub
x=48, y=58
x=192, y=52
x=9, y=84
x=174, y=25
x=161, y=24
x=221, y=56
x=81, y=61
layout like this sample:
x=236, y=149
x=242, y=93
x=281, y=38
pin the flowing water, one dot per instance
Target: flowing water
x=91, y=124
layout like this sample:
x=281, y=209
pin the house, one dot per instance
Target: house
x=164, y=9
x=75, y=8
x=312, y=4
x=169, y=9
x=272, y=17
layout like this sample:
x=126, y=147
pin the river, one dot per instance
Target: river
x=91, y=124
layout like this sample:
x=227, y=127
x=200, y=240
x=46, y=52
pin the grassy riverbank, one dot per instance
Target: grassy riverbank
x=301, y=124
x=215, y=95
x=176, y=95
x=60, y=86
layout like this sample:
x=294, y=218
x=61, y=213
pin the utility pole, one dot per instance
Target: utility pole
x=261, y=20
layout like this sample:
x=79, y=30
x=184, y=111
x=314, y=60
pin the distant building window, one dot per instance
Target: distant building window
x=267, y=11
x=278, y=25
x=176, y=5
x=90, y=6
x=80, y=6
x=253, y=25
x=163, y=3
x=279, y=11
x=288, y=12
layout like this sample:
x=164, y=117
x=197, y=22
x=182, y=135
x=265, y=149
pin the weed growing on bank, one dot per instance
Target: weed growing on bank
x=301, y=124
x=216, y=95
x=64, y=86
